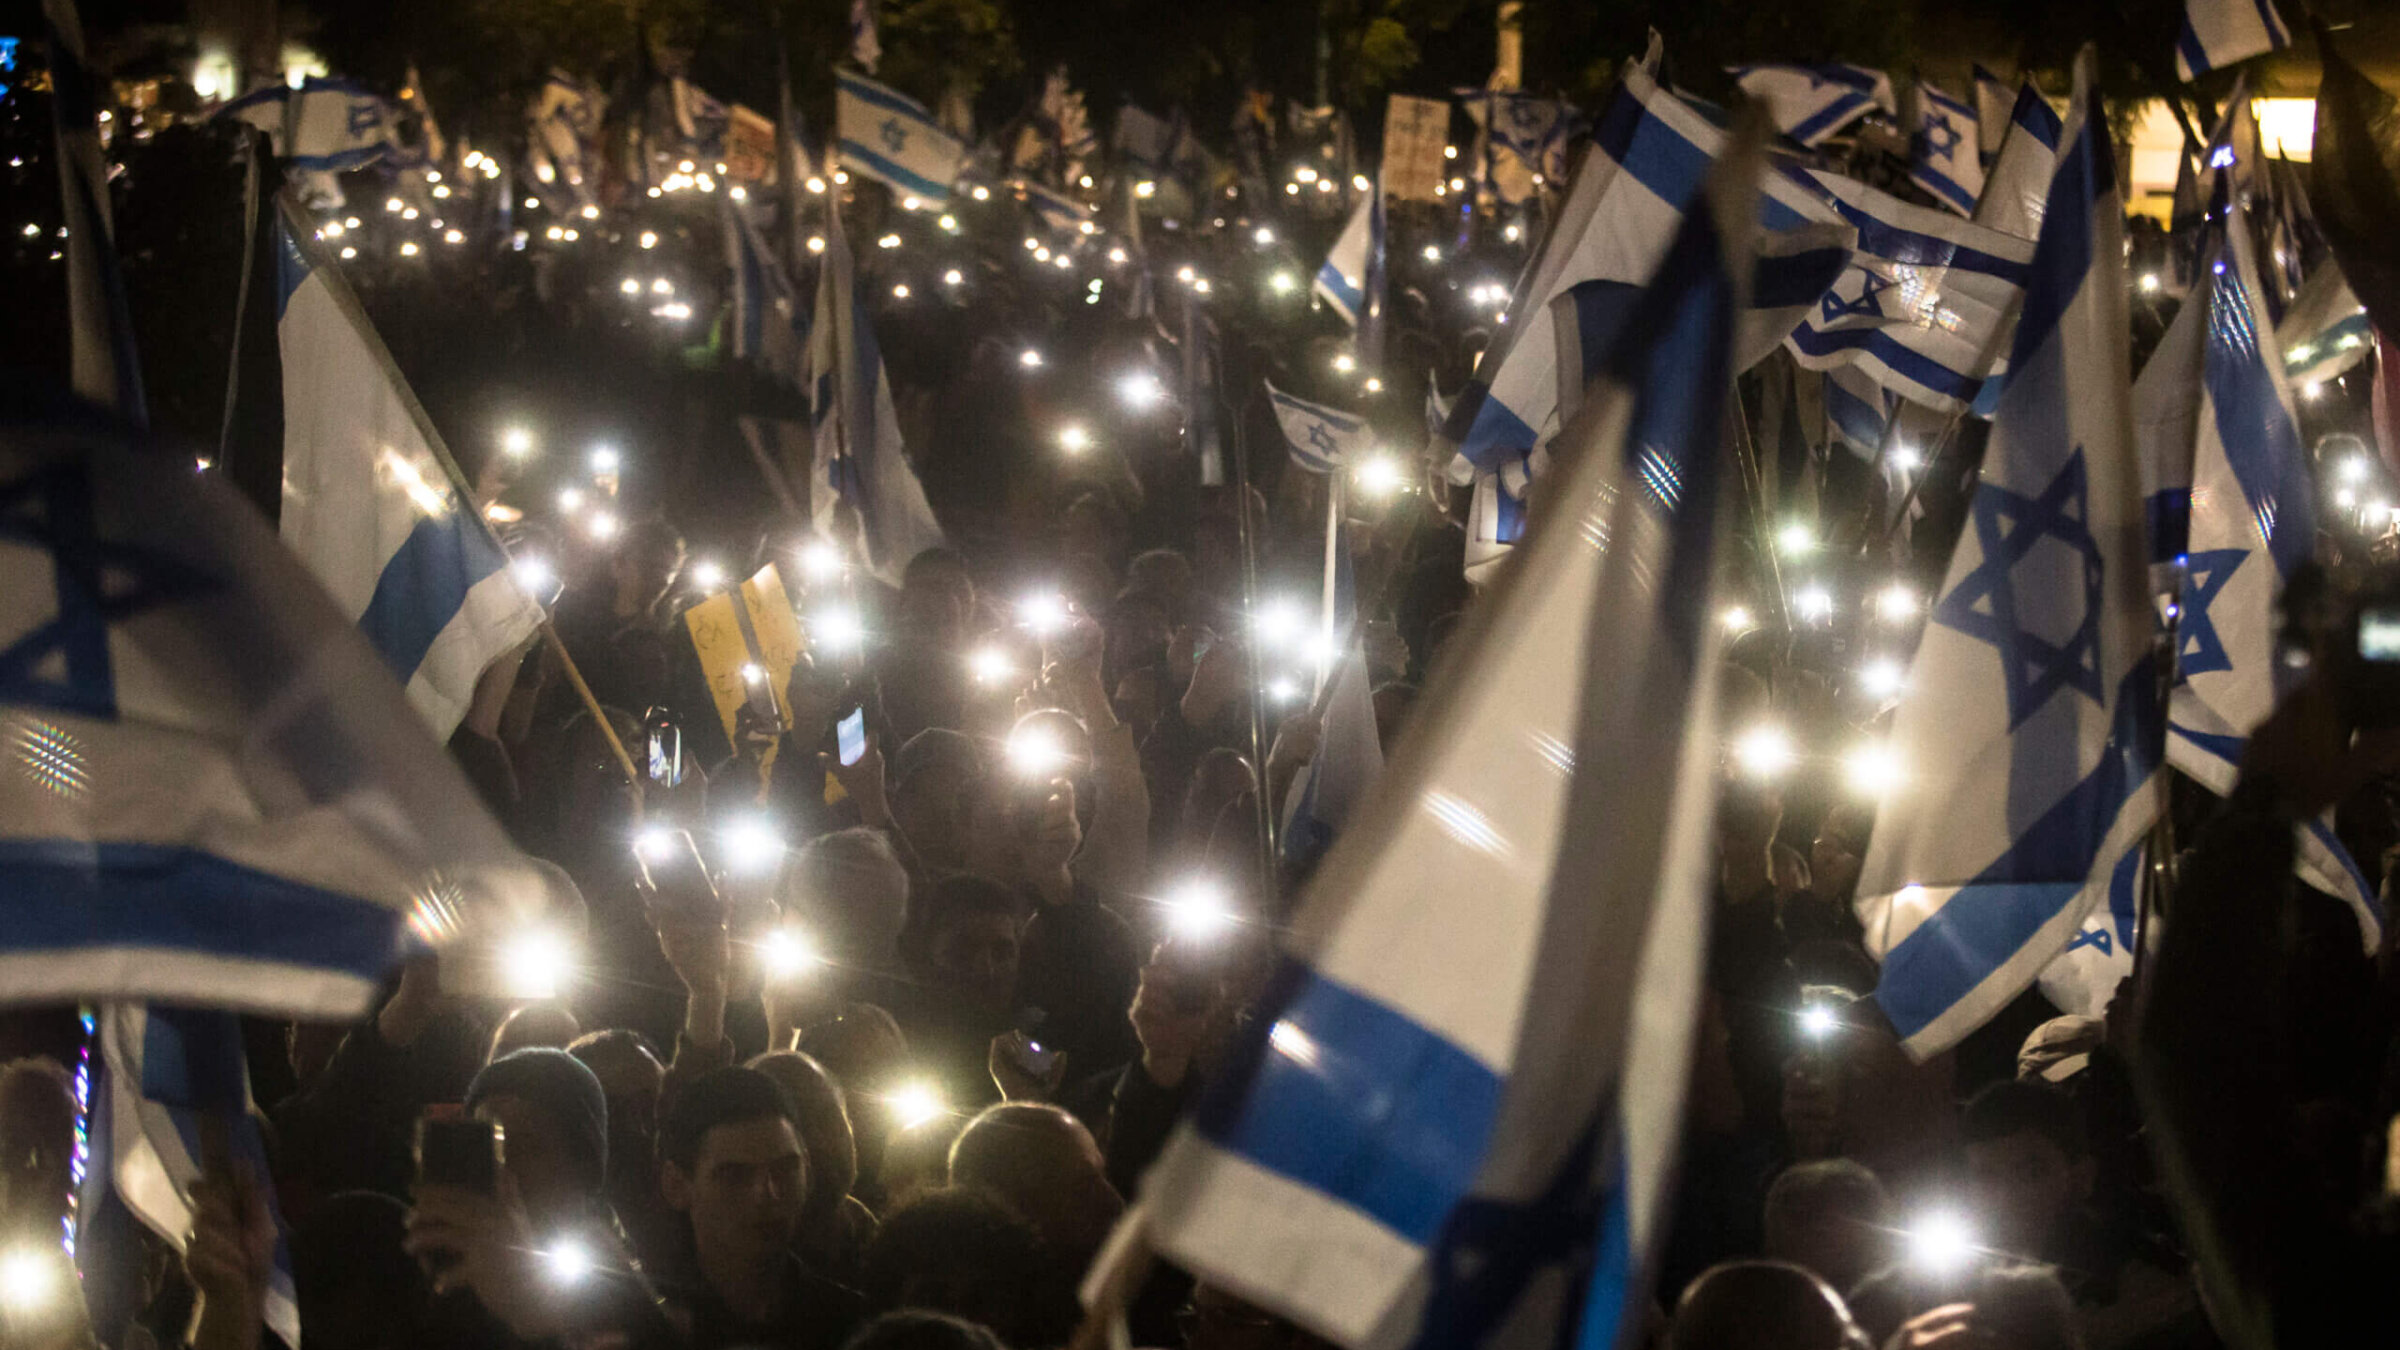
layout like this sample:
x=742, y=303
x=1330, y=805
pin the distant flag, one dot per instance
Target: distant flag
x=1322, y=439
x=1155, y=145
x=1342, y=278
x=327, y=125
x=770, y=326
x=1335, y=783
x=2019, y=183
x=2031, y=733
x=1993, y=100
x=1370, y=314
x=2325, y=331
x=2166, y=414
x=2354, y=181
x=1811, y=103
x=892, y=139
x=2253, y=524
x=2218, y=33
x=700, y=121
x=103, y=366
x=863, y=496
x=166, y=1075
x=370, y=507
x=1455, y=1122
x=1055, y=209
x=1945, y=154
x=429, y=148
x=1525, y=139
x=563, y=138
x=1203, y=378
x=866, y=46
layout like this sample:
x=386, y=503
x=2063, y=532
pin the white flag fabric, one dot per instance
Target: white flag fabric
x=2018, y=186
x=1811, y=103
x=2324, y=330
x=1321, y=439
x=866, y=45
x=892, y=139
x=1457, y=1122
x=863, y=496
x=1335, y=783
x=368, y=506
x=2217, y=33
x=1342, y=278
x=2031, y=731
x=326, y=125
x=770, y=326
x=1946, y=151
x=225, y=798
x=1055, y=209
x=563, y=138
x=1993, y=102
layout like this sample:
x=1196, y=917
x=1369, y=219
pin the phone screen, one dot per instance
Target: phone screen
x=850, y=735
x=666, y=750
x=2379, y=634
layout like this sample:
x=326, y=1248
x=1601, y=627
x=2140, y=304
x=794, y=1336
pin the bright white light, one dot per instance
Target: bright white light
x=1432, y=252
x=28, y=1281
x=900, y=291
x=1513, y=233
x=1262, y=236
x=629, y=286
x=1897, y=603
x=816, y=185
x=1201, y=287
x=2311, y=389
x=1279, y=622
x=662, y=286
x=1198, y=909
x=1073, y=439
x=1283, y=283
x=910, y=203
x=1882, y=678
x=1282, y=689
x=888, y=241
x=837, y=628
x=1034, y=751
x=981, y=193
x=1344, y=362
x=1359, y=183
x=1185, y=274
x=2149, y=283
x=1765, y=752
x=516, y=442
x=1736, y=619
x=786, y=952
x=348, y=252
x=750, y=845
x=1941, y=1243
x=708, y=574
x=567, y=1262
x=1140, y=390
x=1042, y=613
x=605, y=459
x=753, y=672
x=1041, y=252
x=1373, y=385
x=820, y=560
x=2345, y=498
x=1118, y=255
x=1062, y=262
x=1795, y=540
x=1905, y=458
x=1818, y=1021
x=654, y=843
x=990, y=665
x=1380, y=475
x=1872, y=769
x=454, y=236
x=816, y=243
x=953, y=277
x=2355, y=469
x=949, y=223
x=603, y=525
x=1813, y=602
x=1145, y=189
x=409, y=249
x=570, y=500
x=533, y=574
x=535, y=963
x=1030, y=358
x=394, y=205
x=915, y=1104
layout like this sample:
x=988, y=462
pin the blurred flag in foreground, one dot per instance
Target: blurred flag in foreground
x=1456, y=1123
x=1811, y=103
x=369, y=505
x=2029, y=744
x=2019, y=184
x=1349, y=754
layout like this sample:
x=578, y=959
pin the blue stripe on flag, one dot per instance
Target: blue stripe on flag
x=2062, y=260
x=2037, y=117
x=2332, y=844
x=1858, y=421
x=1345, y=295
x=1943, y=186
x=63, y=895
x=291, y=267
x=421, y=588
x=2193, y=56
x=892, y=173
x=1354, y=1100
x=1340, y=421
x=2262, y=447
x=1831, y=117
x=1903, y=360
x=867, y=91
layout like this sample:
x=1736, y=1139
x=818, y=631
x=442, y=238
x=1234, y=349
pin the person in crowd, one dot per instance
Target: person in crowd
x=632, y=1079
x=2007, y=1305
x=967, y=980
x=844, y=898
x=965, y=1253
x=834, y=1225
x=731, y=1162
x=1042, y=1163
x=624, y=633
x=916, y=1329
x=1762, y=1305
x=936, y=781
x=865, y=1054
x=356, y=1287
x=1217, y=1320
x=1830, y=1217
x=545, y=1025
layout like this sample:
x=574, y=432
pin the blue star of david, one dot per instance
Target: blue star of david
x=1938, y=135
x=97, y=581
x=1321, y=438
x=2198, y=648
x=2097, y=938
x=1490, y=1251
x=1867, y=304
x=895, y=135
x=1984, y=603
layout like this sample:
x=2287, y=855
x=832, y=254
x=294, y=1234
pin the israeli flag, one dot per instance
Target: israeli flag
x=1349, y=755
x=370, y=507
x=1056, y=210
x=2018, y=187
x=892, y=139
x=1322, y=439
x=563, y=138
x=1457, y=1121
x=769, y=323
x=863, y=496
x=1945, y=153
x=2217, y=33
x=2084, y=978
x=2031, y=735
x=324, y=126
x=1342, y=279
x=164, y=1075
x=700, y=119
x=2253, y=523
x=1811, y=103
x=2325, y=330
x=1992, y=104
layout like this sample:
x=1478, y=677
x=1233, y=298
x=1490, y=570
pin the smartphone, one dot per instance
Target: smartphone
x=850, y=735
x=1024, y=1046
x=665, y=747
x=2373, y=693
x=454, y=1150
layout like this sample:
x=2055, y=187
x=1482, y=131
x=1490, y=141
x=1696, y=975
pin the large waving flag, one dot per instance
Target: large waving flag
x=2018, y=186
x=892, y=139
x=1457, y=1116
x=1811, y=103
x=863, y=496
x=1349, y=753
x=1322, y=439
x=2032, y=730
x=2217, y=33
x=324, y=126
x=1342, y=278
x=370, y=506
x=1945, y=153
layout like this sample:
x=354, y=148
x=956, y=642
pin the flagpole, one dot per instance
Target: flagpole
x=1754, y=488
x=1334, y=494
x=1258, y=740
x=303, y=238
x=1983, y=365
x=253, y=153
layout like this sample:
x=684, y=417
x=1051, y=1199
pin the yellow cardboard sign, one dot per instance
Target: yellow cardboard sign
x=726, y=658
